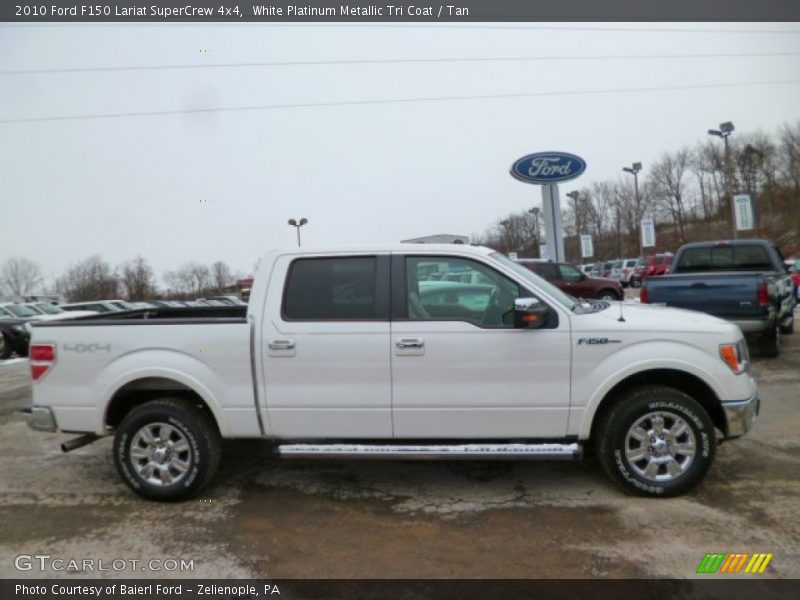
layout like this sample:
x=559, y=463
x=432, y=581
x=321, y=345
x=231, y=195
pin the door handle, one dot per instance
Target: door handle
x=409, y=343
x=281, y=344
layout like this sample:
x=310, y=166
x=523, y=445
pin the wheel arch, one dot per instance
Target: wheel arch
x=611, y=291
x=686, y=382
x=138, y=390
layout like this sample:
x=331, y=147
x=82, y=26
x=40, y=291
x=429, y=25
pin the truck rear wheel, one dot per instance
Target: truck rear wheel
x=771, y=343
x=167, y=449
x=656, y=441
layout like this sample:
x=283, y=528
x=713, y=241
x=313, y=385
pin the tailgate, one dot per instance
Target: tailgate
x=726, y=296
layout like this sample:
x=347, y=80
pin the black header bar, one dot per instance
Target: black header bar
x=399, y=11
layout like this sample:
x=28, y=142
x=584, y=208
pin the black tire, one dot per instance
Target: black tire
x=788, y=329
x=615, y=429
x=636, y=283
x=771, y=343
x=5, y=348
x=192, y=427
x=608, y=295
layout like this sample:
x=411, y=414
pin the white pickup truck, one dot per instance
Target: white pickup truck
x=398, y=351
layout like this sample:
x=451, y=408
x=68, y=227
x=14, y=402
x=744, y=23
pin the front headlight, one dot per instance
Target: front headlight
x=736, y=356
x=744, y=352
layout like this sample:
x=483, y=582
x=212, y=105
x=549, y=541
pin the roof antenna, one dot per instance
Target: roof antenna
x=621, y=317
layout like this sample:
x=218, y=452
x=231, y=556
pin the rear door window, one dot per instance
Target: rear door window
x=332, y=289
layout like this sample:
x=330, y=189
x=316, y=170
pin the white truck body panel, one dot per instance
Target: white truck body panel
x=349, y=379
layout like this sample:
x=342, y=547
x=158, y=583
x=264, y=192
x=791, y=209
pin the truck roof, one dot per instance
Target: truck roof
x=395, y=247
x=712, y=243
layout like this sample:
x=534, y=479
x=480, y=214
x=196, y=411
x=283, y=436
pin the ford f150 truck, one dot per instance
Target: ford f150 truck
x=744, y=281
x=404, y=352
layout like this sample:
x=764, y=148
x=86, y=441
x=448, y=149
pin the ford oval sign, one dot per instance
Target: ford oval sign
x=548, y=167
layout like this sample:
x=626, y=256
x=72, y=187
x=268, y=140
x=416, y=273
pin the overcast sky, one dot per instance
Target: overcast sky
x=221, y=185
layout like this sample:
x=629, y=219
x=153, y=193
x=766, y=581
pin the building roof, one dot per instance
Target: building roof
x=439, y=238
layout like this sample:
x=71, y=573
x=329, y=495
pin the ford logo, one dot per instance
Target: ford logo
x=548, y=167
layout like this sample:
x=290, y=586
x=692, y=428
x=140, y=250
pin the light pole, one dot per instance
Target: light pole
x=297, y=224
x=634, y=170
x=724, y=131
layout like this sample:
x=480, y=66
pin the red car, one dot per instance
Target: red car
x=569, y=278
x=658, y=264
x=793, y=265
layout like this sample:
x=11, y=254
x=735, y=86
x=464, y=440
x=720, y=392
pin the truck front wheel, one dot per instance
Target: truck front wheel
x=167, y=449
x=656, y=441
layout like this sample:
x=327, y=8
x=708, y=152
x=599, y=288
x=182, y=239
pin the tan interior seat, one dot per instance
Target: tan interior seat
x=415, y=308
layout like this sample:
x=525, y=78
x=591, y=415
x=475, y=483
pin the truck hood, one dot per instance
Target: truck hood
x=654, y=318
x=46, y=318
x=74, y=314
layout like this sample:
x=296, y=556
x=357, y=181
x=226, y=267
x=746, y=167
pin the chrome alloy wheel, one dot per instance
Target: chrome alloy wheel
x=160, y=454
x=660, y=446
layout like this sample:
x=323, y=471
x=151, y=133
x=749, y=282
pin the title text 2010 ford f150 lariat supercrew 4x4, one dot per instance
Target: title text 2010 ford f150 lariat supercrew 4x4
x=402, y=351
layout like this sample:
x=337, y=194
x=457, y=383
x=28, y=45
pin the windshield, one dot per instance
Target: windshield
x=21, y=311
x=565, y=300
x=48, y=309
x=121, y=304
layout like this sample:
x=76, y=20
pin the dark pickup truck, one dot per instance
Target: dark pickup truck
x=14, y=337
x=743, y=281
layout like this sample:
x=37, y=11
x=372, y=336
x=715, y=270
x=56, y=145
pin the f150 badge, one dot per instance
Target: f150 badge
x=597, y=341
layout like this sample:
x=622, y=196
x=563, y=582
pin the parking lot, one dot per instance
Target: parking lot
x=347, y=519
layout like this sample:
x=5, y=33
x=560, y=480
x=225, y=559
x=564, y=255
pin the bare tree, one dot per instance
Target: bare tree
x=138, y=279
x=667, y=178
x=703, y=170
x=189, y=279
x=790, y=149
x=20, y=276
x=90, y=279
x=515, y=233
x=221, y=275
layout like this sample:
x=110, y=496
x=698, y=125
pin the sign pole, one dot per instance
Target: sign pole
x=554, y=235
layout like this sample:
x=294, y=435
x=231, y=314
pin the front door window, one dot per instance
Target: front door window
x=448, y=289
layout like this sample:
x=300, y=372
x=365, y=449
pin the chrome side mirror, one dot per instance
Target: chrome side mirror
x=529, y=313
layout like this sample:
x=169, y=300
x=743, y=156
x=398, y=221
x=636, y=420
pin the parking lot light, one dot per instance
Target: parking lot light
x=724, y=132
x=297, y=224
x=634, y=170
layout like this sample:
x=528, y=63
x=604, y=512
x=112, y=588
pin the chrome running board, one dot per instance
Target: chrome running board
x=438, y=451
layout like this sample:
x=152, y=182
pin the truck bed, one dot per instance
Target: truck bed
x=144, y=316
